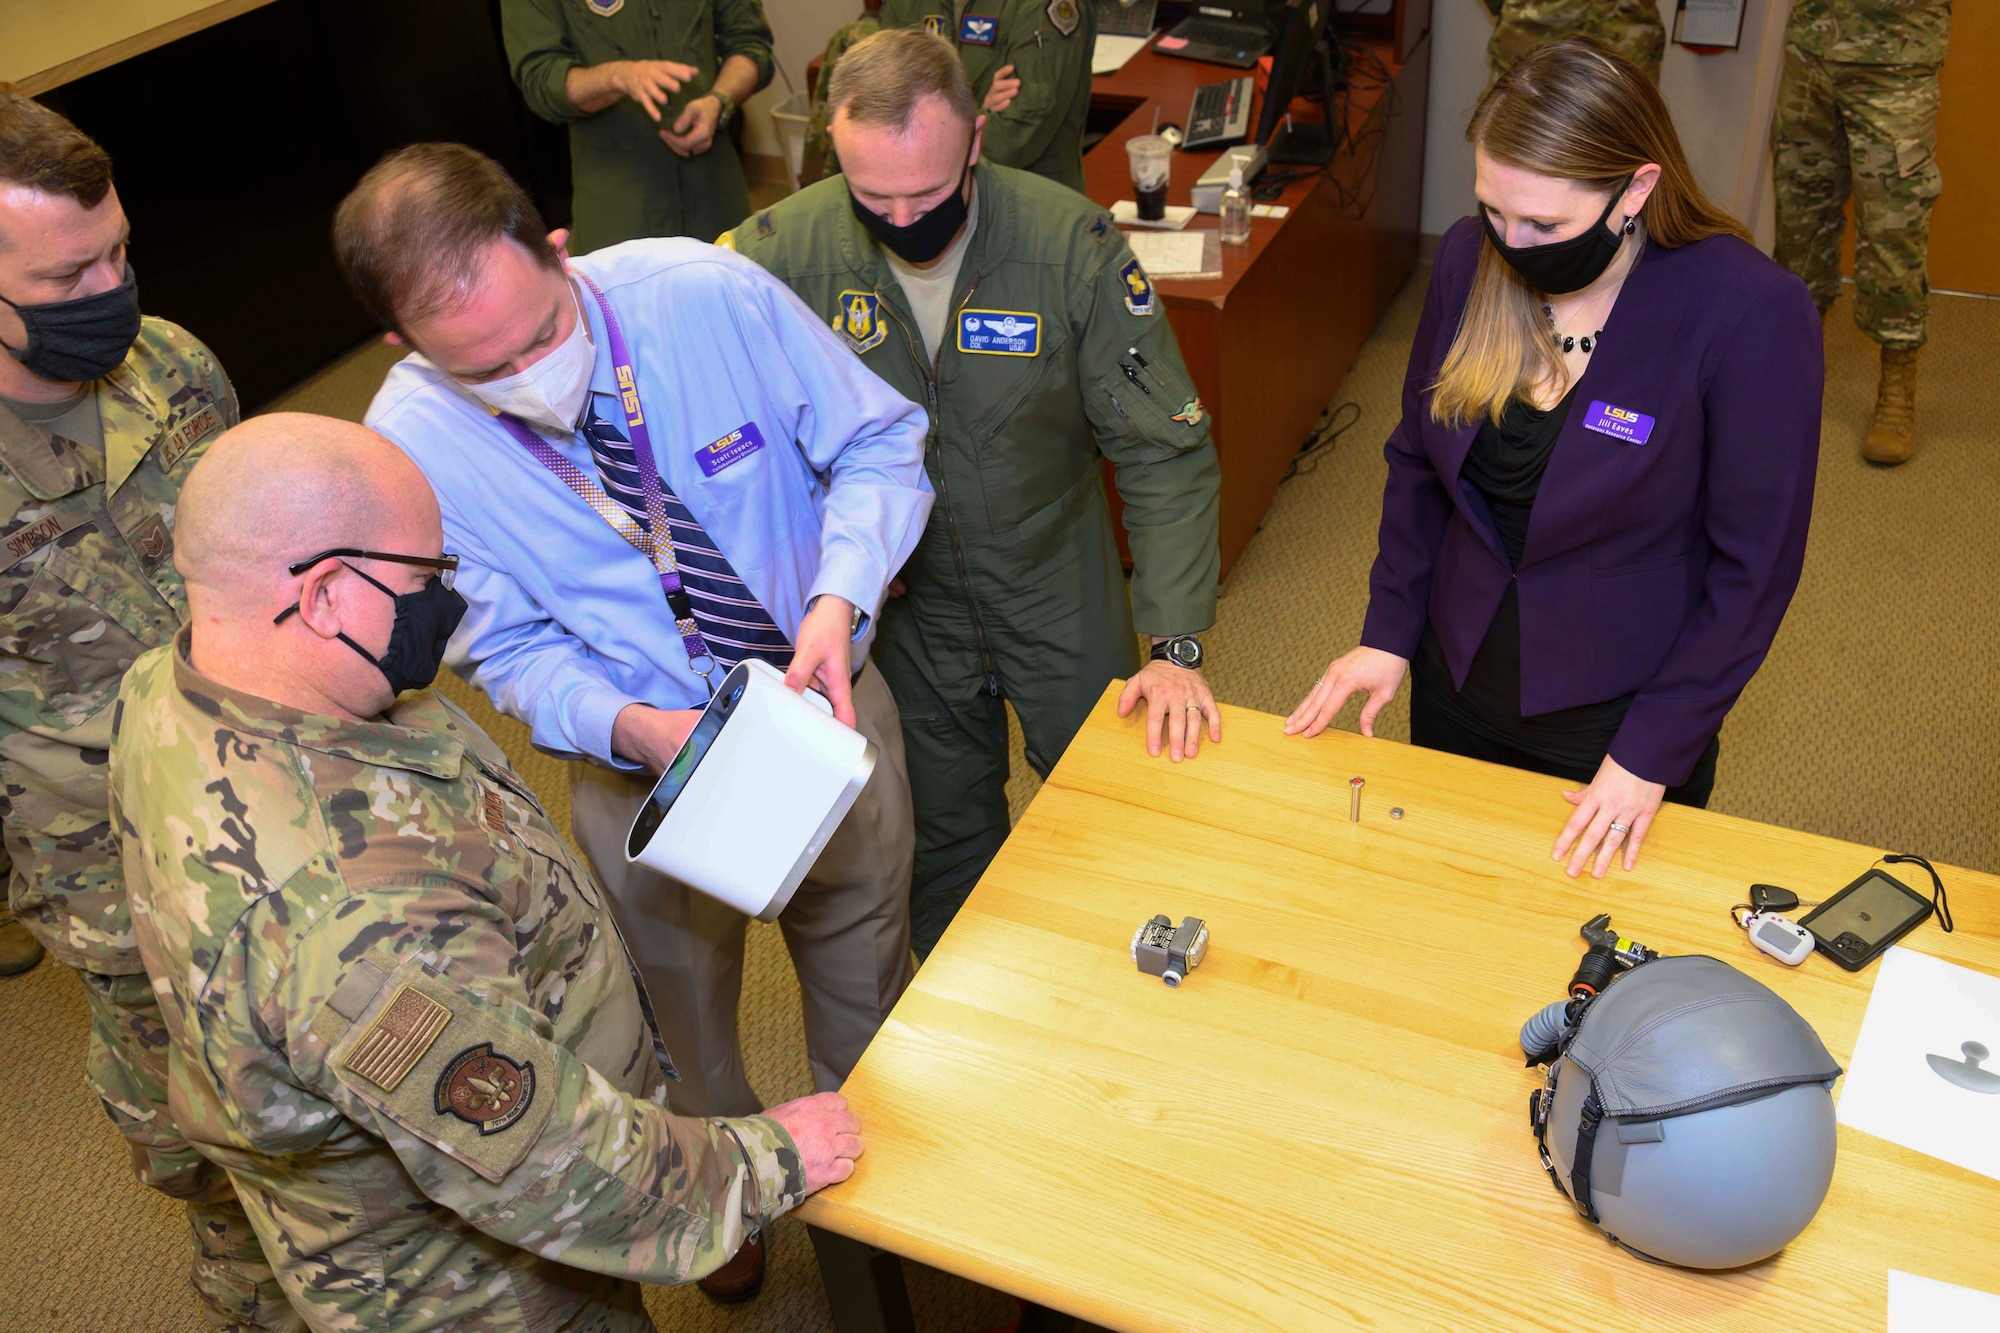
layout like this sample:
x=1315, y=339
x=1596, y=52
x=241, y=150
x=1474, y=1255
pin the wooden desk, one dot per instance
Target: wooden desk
x=46, y=43
x=1325, y=1126
x=1269, y=342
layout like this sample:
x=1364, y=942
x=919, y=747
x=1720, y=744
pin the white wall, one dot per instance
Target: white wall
x=1721, y=104
x=801, y=29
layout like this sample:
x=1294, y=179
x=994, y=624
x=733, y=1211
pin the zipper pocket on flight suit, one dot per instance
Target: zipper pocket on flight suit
x=944, y=486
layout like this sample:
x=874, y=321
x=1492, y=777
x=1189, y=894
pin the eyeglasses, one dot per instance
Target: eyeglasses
x=445, y=565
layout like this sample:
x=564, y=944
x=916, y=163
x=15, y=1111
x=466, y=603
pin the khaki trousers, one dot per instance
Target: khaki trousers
x=847, y=927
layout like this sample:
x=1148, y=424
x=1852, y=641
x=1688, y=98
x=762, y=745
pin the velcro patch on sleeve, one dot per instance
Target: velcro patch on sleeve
x=452, y=1068
x=391, y=1046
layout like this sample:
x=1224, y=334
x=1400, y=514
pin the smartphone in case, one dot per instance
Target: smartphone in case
x=1854, y=926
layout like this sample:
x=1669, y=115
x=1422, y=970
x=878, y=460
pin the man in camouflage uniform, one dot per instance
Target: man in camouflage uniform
x=820, y=160
x=1631, y=27
x=1029, y=62
x=102, y=414
x=402, y=1017
x=1857, y=114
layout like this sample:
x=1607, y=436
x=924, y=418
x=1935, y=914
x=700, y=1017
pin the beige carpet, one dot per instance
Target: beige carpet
x=1873, y=720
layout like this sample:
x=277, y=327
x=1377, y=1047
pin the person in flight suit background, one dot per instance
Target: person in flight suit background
x=102, y=415
x=1632, y=28
x=648, y=89
x=402, y=1015
x=1036, y=121
x=1015, y=311
x=1857, y=115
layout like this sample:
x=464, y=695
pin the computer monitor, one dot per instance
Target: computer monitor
x=1301, y=48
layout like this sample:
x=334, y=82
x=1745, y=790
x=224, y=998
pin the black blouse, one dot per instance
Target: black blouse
x=1505, y=465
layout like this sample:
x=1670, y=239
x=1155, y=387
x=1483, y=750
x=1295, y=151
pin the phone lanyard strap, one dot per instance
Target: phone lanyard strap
x=1938, y=899
x=655, y=541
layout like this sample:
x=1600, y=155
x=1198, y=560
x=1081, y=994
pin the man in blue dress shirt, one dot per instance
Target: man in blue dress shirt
x=785, y=540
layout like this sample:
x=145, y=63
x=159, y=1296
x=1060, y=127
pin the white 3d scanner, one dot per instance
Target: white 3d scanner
x=756, y=790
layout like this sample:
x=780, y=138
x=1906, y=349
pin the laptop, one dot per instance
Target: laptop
x=1125, y=18
x=1220, y=32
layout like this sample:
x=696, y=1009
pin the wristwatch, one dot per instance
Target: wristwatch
x=1183, y=650
x=728, y=108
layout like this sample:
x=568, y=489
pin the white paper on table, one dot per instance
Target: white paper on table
x=1925, y=1305
x=1167, y=254
x=1126, y=214
x=1923, y=1006
x=1709, y=23
x=1111, y=52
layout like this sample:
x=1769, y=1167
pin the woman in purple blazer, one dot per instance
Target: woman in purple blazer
x=1599, y=491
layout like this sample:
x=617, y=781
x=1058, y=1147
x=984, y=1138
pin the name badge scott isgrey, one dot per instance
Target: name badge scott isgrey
x=732, y=448
x=1620, y=423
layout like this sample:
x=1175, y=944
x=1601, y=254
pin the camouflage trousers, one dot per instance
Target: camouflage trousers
x=1869, y=131
x=1631, y=27
x=127, y=1069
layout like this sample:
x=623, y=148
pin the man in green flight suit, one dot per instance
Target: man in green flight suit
x=402, y=1015
x=102, y=415
x=1857, y=115
x=1029, y=63
x=1015, y=311
x=1632, y=28
x=648, y=89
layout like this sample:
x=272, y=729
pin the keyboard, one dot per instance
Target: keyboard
x=1125, y=18
x=1220, y=113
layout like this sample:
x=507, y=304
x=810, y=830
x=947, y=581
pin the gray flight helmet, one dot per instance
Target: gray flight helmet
x=1690, y=1115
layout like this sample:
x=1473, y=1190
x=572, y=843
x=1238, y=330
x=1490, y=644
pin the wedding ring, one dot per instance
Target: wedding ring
x=1621, y=828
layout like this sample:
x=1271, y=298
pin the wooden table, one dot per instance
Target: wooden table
x=46, y=43
x=1326, y=1126
x=1269, y=342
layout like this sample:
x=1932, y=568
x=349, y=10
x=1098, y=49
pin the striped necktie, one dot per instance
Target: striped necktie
x=733, y=621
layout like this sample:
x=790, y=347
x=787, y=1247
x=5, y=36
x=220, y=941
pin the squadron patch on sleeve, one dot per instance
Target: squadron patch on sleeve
x=858, y=318
x=604, y=9
x=1138, y=288
x=398, y=1038
x=485, y=1089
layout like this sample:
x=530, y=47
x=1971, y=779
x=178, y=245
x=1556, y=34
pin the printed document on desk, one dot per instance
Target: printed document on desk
x=1926, y=1067
x=1112, y=51
x=1170, y=254
x=1925, y=1305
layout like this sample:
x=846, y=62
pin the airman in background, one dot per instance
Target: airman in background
x=1857, y=116
x=102, y=414
x=1631, y=27
x=1029, y=62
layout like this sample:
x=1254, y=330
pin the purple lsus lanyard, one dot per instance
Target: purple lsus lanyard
x=658, y=543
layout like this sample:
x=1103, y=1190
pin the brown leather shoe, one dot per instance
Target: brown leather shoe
x=19, y=951
x=1892, y=435
x=740, y=1279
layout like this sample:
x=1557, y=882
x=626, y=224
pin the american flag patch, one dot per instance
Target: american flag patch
x=398, y=1038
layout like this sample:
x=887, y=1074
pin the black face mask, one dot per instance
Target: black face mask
x=1566, y=266
x=424, y=622
x=926, y=238
x=80, y=340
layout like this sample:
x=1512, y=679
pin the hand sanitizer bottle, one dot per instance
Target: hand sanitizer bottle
x=1236, y=208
